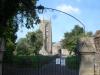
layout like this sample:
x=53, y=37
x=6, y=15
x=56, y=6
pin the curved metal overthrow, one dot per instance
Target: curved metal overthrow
x=41, y=8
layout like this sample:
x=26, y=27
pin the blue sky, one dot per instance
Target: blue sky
x=87, y=11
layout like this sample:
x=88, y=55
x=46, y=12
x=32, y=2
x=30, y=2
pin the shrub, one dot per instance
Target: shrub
x=31, y=61
x=73, y=62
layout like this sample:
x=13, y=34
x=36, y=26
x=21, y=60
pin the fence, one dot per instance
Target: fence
x=42, y=68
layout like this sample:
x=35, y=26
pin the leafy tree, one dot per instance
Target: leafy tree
x=89, y=34
x=39, y=41
x=35, y=41
x=12, y=14
x=22, y=47
x=71, y=38
x=10, y=42
x=31, y=44
x=10, y=9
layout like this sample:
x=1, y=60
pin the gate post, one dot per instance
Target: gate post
x=87, y=50
x=2, y=43
x=97, y=45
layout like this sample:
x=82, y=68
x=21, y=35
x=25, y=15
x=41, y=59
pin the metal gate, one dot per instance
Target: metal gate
x=45, y=65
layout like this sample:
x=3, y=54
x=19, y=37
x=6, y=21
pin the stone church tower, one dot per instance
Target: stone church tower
x=45, y=27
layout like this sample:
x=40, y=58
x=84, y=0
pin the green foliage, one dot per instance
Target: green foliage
x=73, y=62
x=8, y=54
x=10, y=9
x=10, y=21
x=10, y=38
x=31, y=61
x=35, y=41
x=89, y=34
x=71, y=38
x=37, y=44
x=22, y=47
x=31, y=44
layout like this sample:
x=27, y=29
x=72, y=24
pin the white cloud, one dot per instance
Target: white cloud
x=68, y=8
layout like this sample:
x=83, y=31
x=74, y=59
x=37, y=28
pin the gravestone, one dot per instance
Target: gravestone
x=87, y=50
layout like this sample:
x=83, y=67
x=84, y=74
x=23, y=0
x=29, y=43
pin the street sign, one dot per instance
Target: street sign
x=57, y=60
x=60, y=61
x=63, y=62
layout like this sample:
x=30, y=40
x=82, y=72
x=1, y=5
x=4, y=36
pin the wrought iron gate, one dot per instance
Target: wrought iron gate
x=54, y=65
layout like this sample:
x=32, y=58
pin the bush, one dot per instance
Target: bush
x=22, y=61
x=73, y=62
x=31, y=61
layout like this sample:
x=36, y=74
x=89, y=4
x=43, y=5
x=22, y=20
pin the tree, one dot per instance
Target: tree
x=12, y=14
x=31, y=44
x=10, y=42
x=9, y=9
x=71, y=38
x=35, y=41
x=22, y=47
x=39, y=41
x=89, y=34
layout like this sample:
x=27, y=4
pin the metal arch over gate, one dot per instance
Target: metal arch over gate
x=55, y=65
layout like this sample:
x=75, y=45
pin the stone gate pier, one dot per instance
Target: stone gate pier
x=1, y=53
x=97, y=56
x=87, y=50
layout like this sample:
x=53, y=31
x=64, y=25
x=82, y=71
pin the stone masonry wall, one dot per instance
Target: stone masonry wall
x=97, y=55
x=87, y=51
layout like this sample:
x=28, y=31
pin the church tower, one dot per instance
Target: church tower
x=45, y=27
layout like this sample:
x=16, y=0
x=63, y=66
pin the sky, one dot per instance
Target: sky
x=87, y=11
